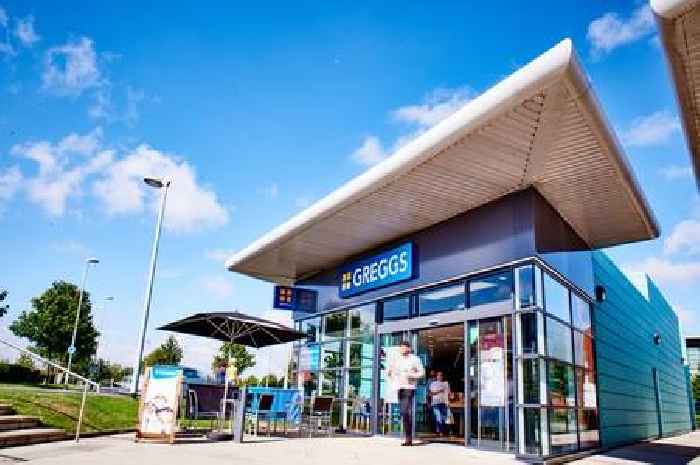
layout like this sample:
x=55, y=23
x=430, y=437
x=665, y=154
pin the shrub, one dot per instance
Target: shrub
x=13, y=373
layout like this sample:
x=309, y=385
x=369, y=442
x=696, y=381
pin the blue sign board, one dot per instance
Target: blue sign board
x=385, y=268
x=295, y=299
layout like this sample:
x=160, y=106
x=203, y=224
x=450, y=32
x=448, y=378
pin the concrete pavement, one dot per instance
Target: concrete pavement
x=121, y=450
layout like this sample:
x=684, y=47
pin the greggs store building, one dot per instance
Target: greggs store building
x=478, y=243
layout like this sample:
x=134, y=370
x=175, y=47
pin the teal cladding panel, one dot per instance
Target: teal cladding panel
x=625, y=325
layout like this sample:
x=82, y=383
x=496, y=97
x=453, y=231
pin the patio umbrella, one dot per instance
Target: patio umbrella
x=235, y=327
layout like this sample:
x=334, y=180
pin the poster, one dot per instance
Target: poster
x=159, y=402
x=492, y=371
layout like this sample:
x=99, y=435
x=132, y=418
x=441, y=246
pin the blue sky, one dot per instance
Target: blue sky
x=256, y=111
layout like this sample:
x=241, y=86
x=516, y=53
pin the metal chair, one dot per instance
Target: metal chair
x=194, y=412
x=319, y=416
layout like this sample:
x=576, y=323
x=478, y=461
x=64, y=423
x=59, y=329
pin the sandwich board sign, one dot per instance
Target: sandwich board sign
x=159, y=403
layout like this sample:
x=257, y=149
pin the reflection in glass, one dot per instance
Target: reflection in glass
x=496, y=288
x=361, y=354
x=334, y=325
x=441, y=299
x=559, y=341
x=532, y=431
x=556, y=298
x=332, y=383
x=309, y=382
x=583, y=350
x=362, y=322
x=332, y=355
x=581, y=313
x=311, y=327
x=562, y=430
x=531, y=381
x=560, y=378
x=586, y=388
x=588, y=428
x=360, y=399
x=529, y=333
x=396, y=309
x=526, y=286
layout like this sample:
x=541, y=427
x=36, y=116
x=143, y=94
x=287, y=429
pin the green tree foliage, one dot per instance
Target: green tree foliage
x=271, y=381
x=106, y=371
x=168, y=353
x=242, y=359
x=251, y=380
x=4, y=307
x=49, y=324
x=696, y=388
x=25, y=360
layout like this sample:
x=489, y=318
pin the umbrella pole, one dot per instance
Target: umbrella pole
x=223, y=404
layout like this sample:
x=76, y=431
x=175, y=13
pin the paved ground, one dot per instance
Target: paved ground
x=121, y=450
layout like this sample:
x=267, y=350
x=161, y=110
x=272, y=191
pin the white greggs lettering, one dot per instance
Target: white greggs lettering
x=380, y=270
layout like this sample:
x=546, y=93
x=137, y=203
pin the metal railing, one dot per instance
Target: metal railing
x=67, y=374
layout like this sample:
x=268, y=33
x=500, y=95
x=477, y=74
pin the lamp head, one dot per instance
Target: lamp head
x=92, y=261
x=153, y=182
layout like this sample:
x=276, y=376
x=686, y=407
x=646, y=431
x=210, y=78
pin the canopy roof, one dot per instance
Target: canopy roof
x=542, y=127
x=679, y=23
x=235, y=327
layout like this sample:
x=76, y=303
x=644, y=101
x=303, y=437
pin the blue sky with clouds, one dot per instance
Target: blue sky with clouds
x=256, y=111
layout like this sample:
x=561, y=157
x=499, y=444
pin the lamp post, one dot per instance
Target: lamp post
x=163, y=185
x=71, y=348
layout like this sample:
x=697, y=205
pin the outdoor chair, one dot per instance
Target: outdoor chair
x=199, y=406
x=263, y=410
x=319, y=416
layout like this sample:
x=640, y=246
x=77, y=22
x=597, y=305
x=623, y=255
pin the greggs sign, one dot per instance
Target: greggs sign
x=388, y=267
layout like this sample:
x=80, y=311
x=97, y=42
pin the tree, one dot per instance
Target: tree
x=271, y=381
x=25, y=360
x=3, y=306
x=110, y=371
x=49, y=324
x=168, y=353
x=242, y=359
x=696, y=387
x=251, y=380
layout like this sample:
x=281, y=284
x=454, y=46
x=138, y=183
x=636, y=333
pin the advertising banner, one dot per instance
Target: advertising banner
x=492, y=371
x=385, y=268
x=159, y=403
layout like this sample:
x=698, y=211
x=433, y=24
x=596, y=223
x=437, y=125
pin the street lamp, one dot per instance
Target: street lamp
x=163, y=185
x=71, y=348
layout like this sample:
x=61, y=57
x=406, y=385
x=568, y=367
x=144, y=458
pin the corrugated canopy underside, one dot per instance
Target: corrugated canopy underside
x=540, y=127
x=679, y=21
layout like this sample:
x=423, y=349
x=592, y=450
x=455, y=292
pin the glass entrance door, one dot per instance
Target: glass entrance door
x=388, y=412
x=439, y=407
x=490, y=384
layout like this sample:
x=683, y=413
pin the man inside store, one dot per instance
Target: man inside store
x=404, y=372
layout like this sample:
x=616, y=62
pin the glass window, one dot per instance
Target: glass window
x=362, y=322
x=309, y=382
x=441, y=299
x=559, y=341
x=360, y=388
x=581, y=313
x=583, y=351
x=333, y=355
x=495, y=288
x=560, y=378
x=529, y=333
x=562, y=430
x=531, y=381
x=586, y=388
x=588, y=428
x=332, y=383
x=556, y=298
x=312, y=328
x=361, y=354
x=396, y=309
x=532, y=431
x=334, y=325
x=526, y=286
x=309, y=357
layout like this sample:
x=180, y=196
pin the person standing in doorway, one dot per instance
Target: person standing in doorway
x=405, y=372
x=439, y=391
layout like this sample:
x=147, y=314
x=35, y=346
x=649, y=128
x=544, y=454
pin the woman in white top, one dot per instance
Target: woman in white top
x=439, y=390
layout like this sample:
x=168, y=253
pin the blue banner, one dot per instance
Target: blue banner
x=295, y=298
x=385, y=268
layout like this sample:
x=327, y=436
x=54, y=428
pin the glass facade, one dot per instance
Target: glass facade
x=522, y=376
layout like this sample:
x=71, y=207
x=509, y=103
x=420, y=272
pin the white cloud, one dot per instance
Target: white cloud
x=610, y=31
x=673, y=172
x=10, y=181
x=133, y=100
x=59, y=176
x=71, y=68
x=666, y=271
x=25, y=31
x=369, y=153
x=190, y=206
x=125, y=110
x=217, y=285
x=219, y=255
x=684, y=238
x=652, y=129
x=436, y=106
